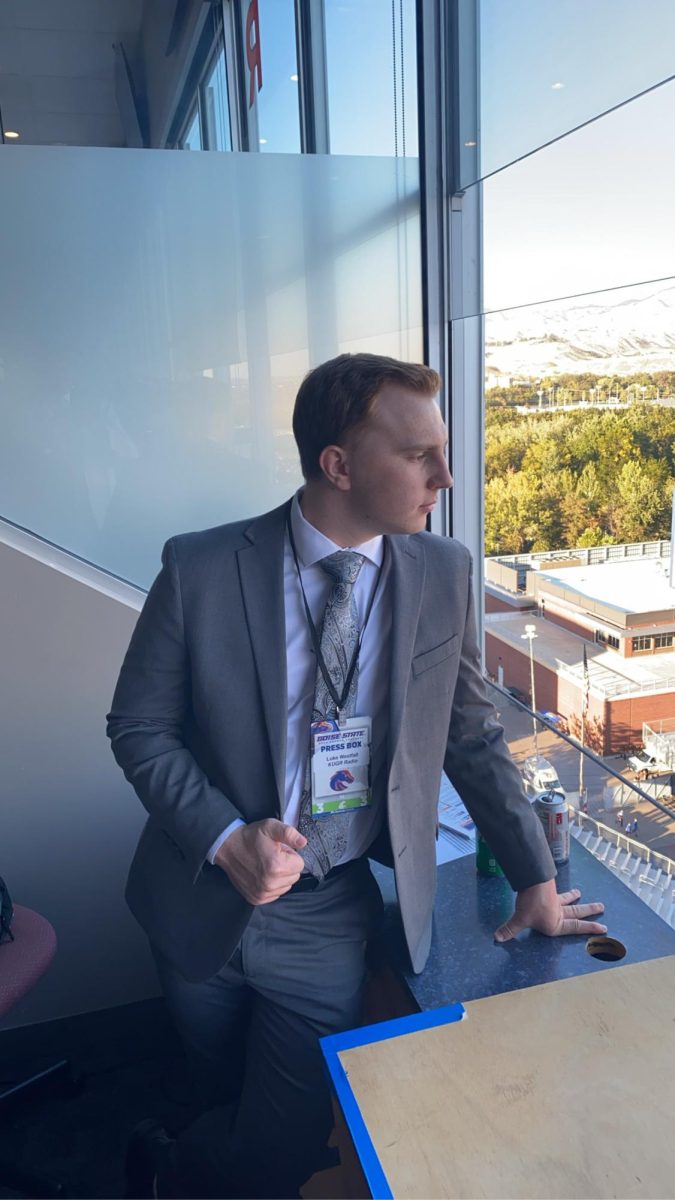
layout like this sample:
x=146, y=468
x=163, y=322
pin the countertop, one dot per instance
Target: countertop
x=466, y=964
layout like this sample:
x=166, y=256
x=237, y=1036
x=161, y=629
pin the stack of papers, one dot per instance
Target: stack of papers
x=456, y=832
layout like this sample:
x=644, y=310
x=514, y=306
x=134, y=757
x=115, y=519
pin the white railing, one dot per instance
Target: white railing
x=622, y=687
x=617, y=794
x=590, y=554
x=623, y=841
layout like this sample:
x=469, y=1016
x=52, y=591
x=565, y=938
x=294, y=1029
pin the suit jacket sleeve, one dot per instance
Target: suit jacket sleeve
x=478, y=763
x=147, y=721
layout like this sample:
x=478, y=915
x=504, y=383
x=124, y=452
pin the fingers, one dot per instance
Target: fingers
x=268, y=897
x=553, y=915
x=266, y=891
x=508, y=930
x=287, y=834
x=583, y=910
x=570, y=897
x=575, y=926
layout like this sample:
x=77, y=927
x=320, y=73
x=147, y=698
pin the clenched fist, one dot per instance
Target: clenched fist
x=261, y=859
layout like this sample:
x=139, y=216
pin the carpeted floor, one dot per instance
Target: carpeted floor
x=131, y=1067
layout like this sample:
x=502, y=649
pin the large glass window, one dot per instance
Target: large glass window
x=546, y=68
x=277, y=102
x=215, y=105
x=371, y=76
x=563, y=305
x=579, y=425
x=162, y=402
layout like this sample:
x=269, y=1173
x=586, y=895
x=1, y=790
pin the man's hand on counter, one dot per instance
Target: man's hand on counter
x=556, y=914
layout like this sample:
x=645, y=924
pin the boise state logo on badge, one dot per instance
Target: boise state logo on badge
x=341, y=780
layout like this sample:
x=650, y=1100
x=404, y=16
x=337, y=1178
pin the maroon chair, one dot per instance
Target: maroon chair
x=23, y=961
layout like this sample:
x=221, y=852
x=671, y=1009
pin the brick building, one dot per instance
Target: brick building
x=618, y=603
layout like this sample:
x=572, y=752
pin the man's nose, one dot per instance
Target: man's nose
x=443, y=477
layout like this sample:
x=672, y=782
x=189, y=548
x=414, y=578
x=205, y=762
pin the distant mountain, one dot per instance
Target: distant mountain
x=634, y=334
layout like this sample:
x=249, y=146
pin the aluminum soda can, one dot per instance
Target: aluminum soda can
x=486, y=863
x=551, y=808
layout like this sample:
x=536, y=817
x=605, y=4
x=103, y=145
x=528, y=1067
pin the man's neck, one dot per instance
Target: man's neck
x=321, y=510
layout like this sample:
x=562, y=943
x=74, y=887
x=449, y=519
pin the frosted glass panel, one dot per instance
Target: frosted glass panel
x=157, y=313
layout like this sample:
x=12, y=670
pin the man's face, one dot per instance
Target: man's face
x=397, y=462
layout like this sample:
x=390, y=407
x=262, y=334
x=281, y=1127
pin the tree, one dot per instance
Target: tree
x=581, y=477
x=643, y=504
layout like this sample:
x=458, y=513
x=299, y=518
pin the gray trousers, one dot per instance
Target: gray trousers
x=251, y=1035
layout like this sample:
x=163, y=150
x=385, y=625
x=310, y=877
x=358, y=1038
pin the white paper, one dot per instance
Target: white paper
x=456, y=833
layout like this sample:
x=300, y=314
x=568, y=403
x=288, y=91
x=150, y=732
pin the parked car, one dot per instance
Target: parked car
x=539, y=775
x=518, y=695
x=644, y=763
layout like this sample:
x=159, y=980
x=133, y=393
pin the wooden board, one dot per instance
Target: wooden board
x=565, y=1090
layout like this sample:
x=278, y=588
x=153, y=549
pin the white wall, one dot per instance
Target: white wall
x=68, y=819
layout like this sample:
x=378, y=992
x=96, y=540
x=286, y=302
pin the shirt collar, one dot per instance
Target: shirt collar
x=312, y=545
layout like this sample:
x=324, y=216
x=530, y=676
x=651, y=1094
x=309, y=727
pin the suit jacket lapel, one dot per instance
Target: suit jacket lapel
x=407, y=581
x=261, y=573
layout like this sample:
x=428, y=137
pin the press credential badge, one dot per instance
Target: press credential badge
x=340, y=765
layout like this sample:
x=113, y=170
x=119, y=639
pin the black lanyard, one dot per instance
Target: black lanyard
x=338, y=701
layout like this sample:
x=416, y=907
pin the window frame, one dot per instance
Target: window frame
x=211, y=40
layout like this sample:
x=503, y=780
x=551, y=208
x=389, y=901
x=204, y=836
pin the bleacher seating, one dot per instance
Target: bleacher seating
x=654, y=885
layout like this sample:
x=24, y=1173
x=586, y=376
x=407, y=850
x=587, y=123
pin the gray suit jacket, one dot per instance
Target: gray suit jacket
x=198, y=724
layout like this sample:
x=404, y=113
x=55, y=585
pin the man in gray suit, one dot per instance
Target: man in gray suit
x=294, y=688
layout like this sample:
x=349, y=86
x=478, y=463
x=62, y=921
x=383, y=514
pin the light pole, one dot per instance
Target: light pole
x=529, y=635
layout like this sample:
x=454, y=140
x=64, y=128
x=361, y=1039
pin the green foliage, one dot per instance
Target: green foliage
x=582, y=477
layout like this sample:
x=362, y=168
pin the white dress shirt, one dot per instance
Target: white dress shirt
x=373, y=672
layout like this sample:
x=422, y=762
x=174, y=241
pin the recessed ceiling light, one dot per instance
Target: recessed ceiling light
x=557, y=86
x=470, y=143
x=294, y=79
x=11, y=133
x=262, y=141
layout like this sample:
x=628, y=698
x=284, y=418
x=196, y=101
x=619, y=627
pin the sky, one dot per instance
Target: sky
x=601, y=51
x=593, y=210
x=360, y=66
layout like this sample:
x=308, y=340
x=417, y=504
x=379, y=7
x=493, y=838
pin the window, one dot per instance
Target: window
x=371, y=77
x=215, y=106
x=277, y=102
x=662, y=640
x=607, y=639
x=202, y=116
x=193, y=135
x=641, y=643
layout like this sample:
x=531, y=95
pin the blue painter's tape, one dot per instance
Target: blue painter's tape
x=366, y=1036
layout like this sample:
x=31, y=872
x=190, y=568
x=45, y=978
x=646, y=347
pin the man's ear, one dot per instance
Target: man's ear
x=334, y=462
